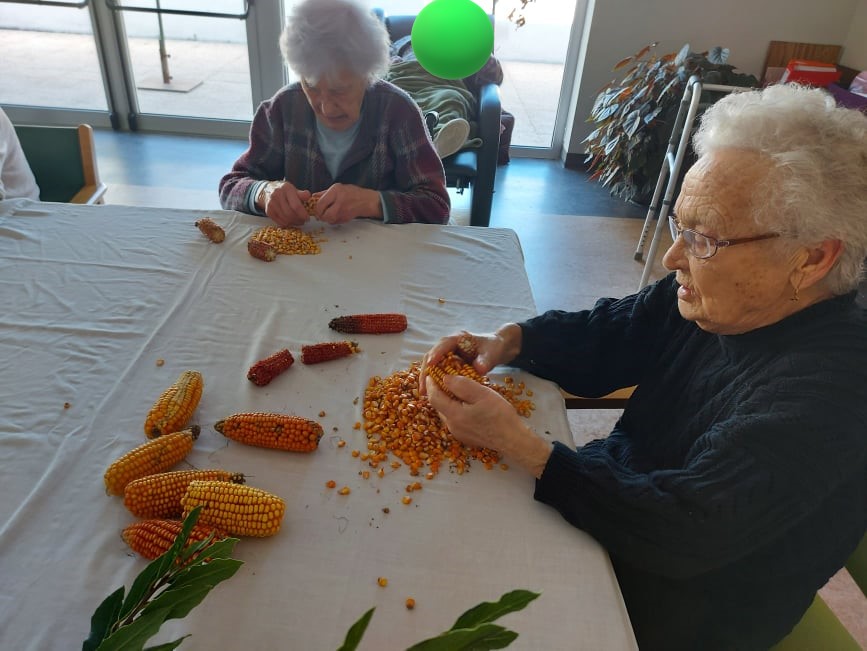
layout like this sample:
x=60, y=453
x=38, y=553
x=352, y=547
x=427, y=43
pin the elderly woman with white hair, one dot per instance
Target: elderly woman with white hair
x=734, y=485
x=341, y=143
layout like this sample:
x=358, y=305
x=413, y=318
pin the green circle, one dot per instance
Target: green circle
x=452, y=39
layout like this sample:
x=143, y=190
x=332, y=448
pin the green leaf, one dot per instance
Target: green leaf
x=168, y=646
x=175, y=604
x=132, y=636
x=103, y=618
x=356, y=631
x=488, y=611
x=211, y=573
x=146, y=581
x=480, y=638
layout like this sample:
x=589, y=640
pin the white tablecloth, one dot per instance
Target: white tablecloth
x=92, y=297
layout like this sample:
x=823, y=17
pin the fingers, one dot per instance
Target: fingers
x=285, y=205
x=435, y=354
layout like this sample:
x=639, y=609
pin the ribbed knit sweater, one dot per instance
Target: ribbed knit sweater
x=735, y=483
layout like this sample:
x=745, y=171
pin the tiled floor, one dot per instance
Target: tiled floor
x=578, y=244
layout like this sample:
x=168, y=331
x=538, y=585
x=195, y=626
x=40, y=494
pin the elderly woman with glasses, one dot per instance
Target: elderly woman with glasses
x=341, y=143
x=735, y=483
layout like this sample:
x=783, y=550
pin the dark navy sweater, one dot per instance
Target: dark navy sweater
x=735, y=483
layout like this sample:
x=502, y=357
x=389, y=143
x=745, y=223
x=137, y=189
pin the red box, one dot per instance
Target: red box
x=812, y=73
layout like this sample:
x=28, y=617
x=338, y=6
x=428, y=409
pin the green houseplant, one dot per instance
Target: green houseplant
x=633, y=117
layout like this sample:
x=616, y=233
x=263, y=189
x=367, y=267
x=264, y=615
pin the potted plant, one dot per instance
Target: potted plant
x=634, y=117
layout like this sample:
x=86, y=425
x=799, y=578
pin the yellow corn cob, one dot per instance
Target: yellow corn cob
x=211, y=230
x=174, y=408
x=325, y=352
x=369, y=324
x=157, y=455
x=239, y=510
x=278, y=431
x=153, y=538
x=159, y=495
x=452, y=364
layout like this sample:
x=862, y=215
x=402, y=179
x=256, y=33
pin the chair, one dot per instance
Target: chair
x=614, y=400
x=63, y=160
x=473, y=168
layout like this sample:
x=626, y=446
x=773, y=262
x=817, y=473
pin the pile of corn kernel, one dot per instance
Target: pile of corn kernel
x=290, y=241
x=399, y=421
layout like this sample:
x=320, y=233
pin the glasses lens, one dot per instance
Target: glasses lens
x=699, y=245
x=673, y=226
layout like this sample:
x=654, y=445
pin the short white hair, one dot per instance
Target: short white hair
x=323, y=37
x=817, y=189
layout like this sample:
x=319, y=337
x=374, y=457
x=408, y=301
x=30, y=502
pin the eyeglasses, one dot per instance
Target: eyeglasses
x=704, y=246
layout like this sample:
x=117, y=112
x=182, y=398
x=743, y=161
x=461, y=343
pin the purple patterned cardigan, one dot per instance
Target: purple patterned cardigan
x=392, y=154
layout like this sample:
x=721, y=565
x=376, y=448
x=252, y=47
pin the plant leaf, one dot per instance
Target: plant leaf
x=480, y=638
x=682, y=55
x=489, y=611
x=211, y=573
x=356, y=631
x=103, y=618
x=622, y=63
x=133, y=636
x=718, y=55
x=168, y=646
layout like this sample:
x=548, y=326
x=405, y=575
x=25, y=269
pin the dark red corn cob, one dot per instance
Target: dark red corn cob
x=261, y=250
x=369, y=324
x=316, y=353
x=265, y=370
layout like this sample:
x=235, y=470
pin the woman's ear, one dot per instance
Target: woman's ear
x=817, y=262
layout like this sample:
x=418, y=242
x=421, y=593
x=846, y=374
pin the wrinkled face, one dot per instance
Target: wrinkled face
x=336, y=99
x=742, y=287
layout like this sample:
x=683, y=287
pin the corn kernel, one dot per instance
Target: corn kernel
x=410, y=603
x=382, y=581
x=330, y=483
x=406, y=499
x=344, y=491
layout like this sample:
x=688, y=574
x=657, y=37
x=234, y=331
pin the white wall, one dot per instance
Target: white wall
x=855, y=45
x=620, y=28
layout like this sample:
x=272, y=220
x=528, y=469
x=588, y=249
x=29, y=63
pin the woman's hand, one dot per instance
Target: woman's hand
x=481, y=417
x=284, y=203
x=492, y=350
x=343, y=202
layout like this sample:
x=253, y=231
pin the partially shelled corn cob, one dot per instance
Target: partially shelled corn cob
x=310, y=206
x=269, y=430
x=174, y=408
x=369, y=324
x=154, y=537
x=157, y=455
x=211, y=229
x=159, y=495
x=325, y=352
x=261, y=250
x=452, y=364
x=239, y=510
x=467, y=348
x=265, y=370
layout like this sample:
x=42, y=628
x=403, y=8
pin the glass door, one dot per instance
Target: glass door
x=190, y=66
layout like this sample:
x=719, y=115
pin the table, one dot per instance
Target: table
x=93, y=296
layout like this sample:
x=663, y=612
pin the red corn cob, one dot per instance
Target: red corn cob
x=369, y=324
x=211, y=230
x=452, y=364
x=265, y=370
x=261, y=250
x=325, y=352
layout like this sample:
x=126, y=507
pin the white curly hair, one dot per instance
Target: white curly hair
x=818, y=187
x=323, y=37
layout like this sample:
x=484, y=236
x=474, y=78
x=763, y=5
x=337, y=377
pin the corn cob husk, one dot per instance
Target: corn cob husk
x=369, y=324
x=174, y=408
x=452, y=364
x=269, y=430
x=156, y=455
x=261, y=250
x=325, y=352
x=211, y=229
x=265, y=370
x=159, y=495
x=239, y=510
x=154, y=537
